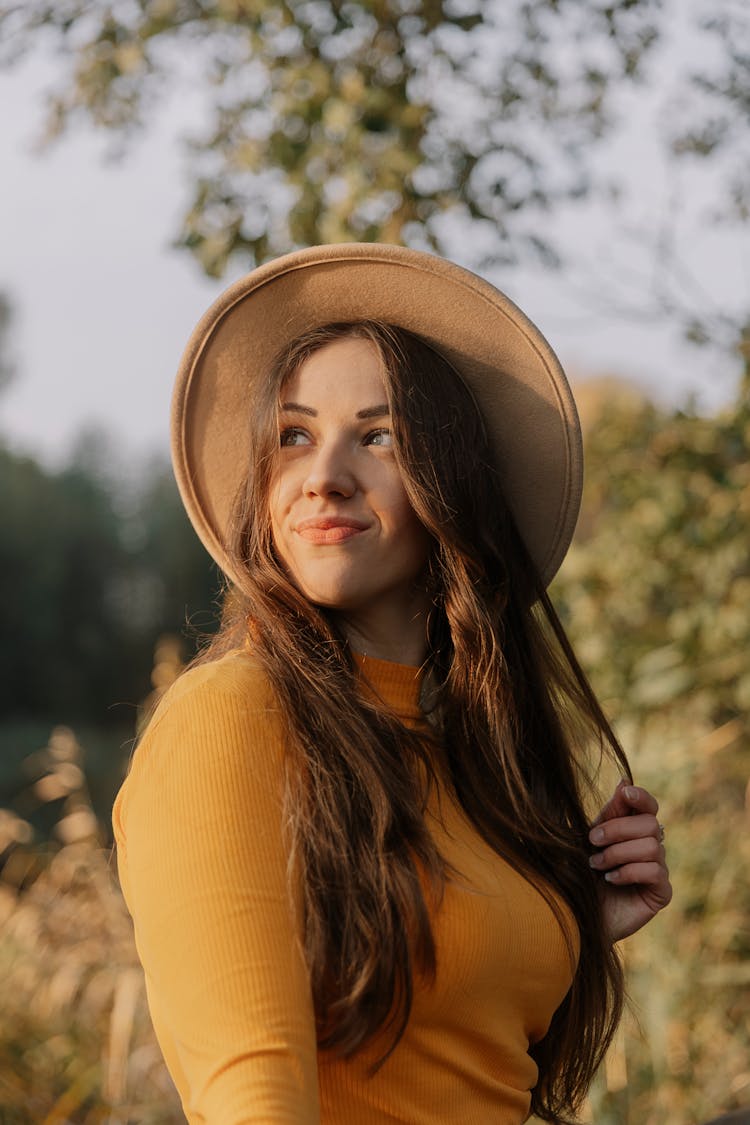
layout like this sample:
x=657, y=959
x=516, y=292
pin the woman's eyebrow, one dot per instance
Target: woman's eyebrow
x=298, y=408
x=374, y=411
x=379, y=411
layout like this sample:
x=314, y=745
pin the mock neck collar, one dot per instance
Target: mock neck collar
x=397, y=685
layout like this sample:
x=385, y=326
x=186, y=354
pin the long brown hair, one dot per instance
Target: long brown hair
x=509, y=706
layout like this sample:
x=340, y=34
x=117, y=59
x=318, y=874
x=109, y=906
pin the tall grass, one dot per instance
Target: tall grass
x=683, y=1054
x=76, y=1043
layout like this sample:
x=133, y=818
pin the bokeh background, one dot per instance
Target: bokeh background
x=592, y=158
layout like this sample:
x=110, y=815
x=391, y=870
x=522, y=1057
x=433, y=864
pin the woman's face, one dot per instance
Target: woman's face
x=341, y=521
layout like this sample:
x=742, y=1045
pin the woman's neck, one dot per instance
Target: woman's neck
x=400, y=637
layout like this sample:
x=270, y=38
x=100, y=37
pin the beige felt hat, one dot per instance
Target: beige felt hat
x=514, y=374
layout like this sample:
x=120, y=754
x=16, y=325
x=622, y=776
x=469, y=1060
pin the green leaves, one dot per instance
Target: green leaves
x=656, y=597
x=372, y=120
x=663, y=572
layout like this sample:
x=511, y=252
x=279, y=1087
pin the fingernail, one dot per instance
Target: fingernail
x=630, y=792
x=595, y=860
x=596, y=835
x=612, y=876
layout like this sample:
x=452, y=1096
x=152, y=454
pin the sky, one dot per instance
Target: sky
x=103, y=306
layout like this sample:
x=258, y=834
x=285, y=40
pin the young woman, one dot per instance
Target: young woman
x=359, y=838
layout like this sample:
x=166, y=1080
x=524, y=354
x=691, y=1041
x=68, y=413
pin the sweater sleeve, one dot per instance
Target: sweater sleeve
x=202, y=862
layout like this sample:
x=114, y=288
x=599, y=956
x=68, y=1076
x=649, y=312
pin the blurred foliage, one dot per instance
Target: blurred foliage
x=364, y=120
x=95, y=570
x=712, y=120
x=93, y=573
x=656, y=589
x=76, y=1043
x=655, y=594
x=683, y=1051
x=59, y=552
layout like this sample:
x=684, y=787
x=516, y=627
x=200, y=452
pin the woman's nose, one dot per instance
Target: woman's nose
x=330, y=473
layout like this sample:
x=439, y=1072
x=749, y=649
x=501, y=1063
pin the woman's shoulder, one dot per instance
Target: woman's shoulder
x=214, y=720
x=237, y=675
x=210, y=760
x=218, y=708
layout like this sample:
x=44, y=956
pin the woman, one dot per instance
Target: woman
x=356, y=837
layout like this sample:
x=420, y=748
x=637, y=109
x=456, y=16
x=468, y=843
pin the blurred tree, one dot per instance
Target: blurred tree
x=713, y=120
x=59, y=550
x=172, y=584
x=363, y=119
x=91, y=580
x=656, y=588
x=655, y=595
x=7, y=368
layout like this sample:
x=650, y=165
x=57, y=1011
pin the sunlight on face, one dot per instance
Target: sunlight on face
x=341, y=519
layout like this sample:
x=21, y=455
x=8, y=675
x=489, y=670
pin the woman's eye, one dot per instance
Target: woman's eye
x=381, y=436
x=292, y=435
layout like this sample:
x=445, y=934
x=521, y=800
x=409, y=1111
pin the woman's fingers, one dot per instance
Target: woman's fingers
x=630, y=860
x=644, y=849
x=644, y=875
x=626, y=800
x=640, y=799
x=624, y=828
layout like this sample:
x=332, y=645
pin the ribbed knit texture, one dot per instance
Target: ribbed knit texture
x=203, y=868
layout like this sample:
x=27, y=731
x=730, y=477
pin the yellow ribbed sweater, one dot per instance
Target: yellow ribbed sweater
x=203, y=868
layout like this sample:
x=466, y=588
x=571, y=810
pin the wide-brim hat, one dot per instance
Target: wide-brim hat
x=512, y=371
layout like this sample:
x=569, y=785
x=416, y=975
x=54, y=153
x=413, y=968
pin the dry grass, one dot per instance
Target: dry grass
x=683, y=1054
x=76, y=1043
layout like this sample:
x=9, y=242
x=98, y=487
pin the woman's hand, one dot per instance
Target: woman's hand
x=630, y=857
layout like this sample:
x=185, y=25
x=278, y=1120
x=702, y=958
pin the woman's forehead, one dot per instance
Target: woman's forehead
x=343, y=371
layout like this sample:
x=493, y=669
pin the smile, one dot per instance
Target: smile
x=329, y=529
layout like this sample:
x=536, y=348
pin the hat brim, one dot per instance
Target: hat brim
x=512, y=371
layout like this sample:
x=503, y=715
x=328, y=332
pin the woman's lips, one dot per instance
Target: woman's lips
x=329, y=529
